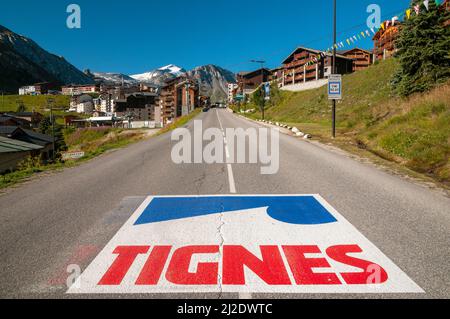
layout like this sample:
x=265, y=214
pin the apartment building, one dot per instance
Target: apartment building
x=232, y=90
x=362, y=59
x=248, y=81
x=80, y=89
x=384, y=41
x=295, y=68
x=137, y=106
x=38, y=88
x=179, y=97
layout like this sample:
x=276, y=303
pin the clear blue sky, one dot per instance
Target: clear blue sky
x=135, y=36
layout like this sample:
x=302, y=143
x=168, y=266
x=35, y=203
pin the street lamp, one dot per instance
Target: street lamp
x=262, y=81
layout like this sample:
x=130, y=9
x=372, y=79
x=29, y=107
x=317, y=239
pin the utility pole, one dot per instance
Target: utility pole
x=262, y=87
x=50, y=104
x=334, y=71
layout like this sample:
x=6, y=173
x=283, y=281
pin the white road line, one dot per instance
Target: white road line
x=231, y=179
x=244, y=296
x=229, y=167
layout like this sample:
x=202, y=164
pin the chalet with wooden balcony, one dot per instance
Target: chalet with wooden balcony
x=249, y=81
x=296, y=70
x=384, y=41
x=361, y=58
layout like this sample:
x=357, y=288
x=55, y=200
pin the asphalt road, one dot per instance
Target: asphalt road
x=68, y=217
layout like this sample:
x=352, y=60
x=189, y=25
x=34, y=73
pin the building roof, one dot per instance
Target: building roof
x=343, y=52
x=299, y=48
x=289, y=58
x=4, y=119
x=256, y=72
x=9, y=145
x=24, y=135
x=382, y=31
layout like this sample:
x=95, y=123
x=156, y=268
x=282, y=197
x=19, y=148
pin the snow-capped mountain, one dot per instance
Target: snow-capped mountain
x=34, y=63
x=113, y=78
x=160, y=75
x=213, y=80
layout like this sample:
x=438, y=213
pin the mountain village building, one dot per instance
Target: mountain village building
x=362, y=59
x=80, y=89
x=384, y=41
x=248, y=81
x=179, y=97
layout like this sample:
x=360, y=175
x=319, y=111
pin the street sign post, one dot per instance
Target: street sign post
x=335, y=87
x=267, y=91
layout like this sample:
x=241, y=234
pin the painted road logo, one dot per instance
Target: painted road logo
x=241, y=244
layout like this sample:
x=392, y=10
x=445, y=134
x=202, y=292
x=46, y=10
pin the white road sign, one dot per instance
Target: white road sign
x=335, y=87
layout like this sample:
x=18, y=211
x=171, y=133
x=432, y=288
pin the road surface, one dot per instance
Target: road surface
x=68, y=217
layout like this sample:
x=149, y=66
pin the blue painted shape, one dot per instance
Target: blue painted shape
x=300, y=210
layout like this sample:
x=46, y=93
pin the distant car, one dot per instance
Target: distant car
x=205, y=109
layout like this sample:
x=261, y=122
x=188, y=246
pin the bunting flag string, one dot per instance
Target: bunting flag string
x=407, y=14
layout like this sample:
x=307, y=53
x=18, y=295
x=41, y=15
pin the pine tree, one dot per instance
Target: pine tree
x=423, y=50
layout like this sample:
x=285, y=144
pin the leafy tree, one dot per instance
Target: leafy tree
x=275, y=94
x=45, y=127
x=257, y=98
x=423, y=50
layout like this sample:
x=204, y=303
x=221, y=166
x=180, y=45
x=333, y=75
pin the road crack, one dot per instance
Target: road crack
x=221, y=244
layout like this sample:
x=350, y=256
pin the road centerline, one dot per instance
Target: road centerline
x=231, y=180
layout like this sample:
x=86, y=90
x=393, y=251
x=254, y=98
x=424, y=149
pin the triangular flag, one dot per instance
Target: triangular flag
x=387, y=23
x=394, y=19
x=426, y=4
x=351, y=39
x=354, y=37
x=348, y=41
x=408, y=13
x=373, y=30
x=363, y=35
x=417, y=9
x=368, y=33
x=438, y=2
x=342, y=44
x=382, y=26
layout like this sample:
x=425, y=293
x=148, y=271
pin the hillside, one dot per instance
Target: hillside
x=38, y=103
x=24, y=62
x=15, y=70
x=213, y=81
x=413, y=132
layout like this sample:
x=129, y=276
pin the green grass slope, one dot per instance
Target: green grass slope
x=9, y=103
x=414, y=132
